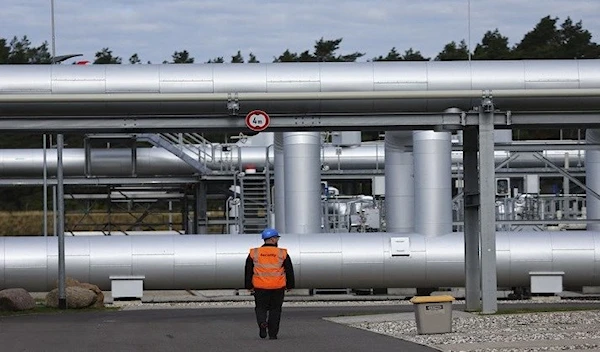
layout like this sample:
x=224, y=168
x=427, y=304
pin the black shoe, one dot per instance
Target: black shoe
x=272, y=337
x=262, y=332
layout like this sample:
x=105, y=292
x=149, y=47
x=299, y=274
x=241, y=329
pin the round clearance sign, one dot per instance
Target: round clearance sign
x=257, y=120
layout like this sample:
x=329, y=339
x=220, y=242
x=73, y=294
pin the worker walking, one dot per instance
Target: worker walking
x=269, y=272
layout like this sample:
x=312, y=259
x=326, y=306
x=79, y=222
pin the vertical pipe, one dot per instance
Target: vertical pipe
x=302, y=172
x=87, y=147
x=471, y=221
x=54, y=212
x=62, y=294
x=433, y=181
x=487, y=209
x=469, y=28
x=184, y=214
x=45, y=174
x=195, y=210
x=399, y=182
x=201, y=209
x=53, y=31
x=566, y=187
x=171, y=215
x=239, y=205
x=592, y=171
x=45, y=190
x=133, y=158
x=279, y=182
x=267, y=171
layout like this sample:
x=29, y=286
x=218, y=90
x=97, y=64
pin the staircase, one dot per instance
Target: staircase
x=255, y=202
x=192, y=148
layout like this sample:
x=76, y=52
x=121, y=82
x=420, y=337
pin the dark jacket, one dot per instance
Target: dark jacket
x=290, y=281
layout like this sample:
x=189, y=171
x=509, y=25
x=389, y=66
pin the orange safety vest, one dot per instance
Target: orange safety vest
x=268, y=267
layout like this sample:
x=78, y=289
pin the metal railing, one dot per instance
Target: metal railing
x=194, y=143
x=351, y=214
x=533, y=212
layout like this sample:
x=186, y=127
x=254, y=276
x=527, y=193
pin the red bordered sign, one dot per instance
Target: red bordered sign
x=257, y=120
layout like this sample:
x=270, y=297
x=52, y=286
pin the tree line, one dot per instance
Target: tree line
x=547, y=40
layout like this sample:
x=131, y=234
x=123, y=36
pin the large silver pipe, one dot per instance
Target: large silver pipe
x=157, y=161
x=592, y=181
x=294, y=96
x=302, y=170
x=336, y=260
x=368, y=87
x=399, y=182
x=433, y=186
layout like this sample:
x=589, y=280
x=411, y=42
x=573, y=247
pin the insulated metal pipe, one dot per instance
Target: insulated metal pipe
x=399, y=182
x=302, y=171
x=293, y=96
x=293, y=88
x=157, y=161
x=337, y=260
x=592, y=180
x=433, y=181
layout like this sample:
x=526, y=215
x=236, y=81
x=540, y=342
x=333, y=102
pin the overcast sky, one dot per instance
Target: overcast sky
x=211, y=28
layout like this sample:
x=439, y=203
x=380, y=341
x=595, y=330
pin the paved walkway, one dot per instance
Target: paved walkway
x=204, y=329
x=223, y=321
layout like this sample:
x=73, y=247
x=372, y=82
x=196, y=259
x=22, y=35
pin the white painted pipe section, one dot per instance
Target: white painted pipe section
x=334, y=260
x=279, y=189
x=399, y=182
x=302, y=170
x=433, y=182
x=592, y=180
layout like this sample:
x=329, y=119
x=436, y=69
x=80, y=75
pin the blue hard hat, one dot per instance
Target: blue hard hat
x=268, y=233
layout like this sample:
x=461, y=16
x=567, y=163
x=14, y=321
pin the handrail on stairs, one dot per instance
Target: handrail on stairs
x=169, y=141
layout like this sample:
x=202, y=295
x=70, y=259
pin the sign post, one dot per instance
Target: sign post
x=257, y=120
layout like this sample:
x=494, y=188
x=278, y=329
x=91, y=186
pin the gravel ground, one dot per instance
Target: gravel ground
x=531, y=332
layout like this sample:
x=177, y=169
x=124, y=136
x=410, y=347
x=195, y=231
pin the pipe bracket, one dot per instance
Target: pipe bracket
x=508, y=117
x=233, y=105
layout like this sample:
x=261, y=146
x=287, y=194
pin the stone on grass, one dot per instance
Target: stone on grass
x=77, y=297
x=71, y=282
x=16, y=299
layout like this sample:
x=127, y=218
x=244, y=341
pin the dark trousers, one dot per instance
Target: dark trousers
x=268, y=308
